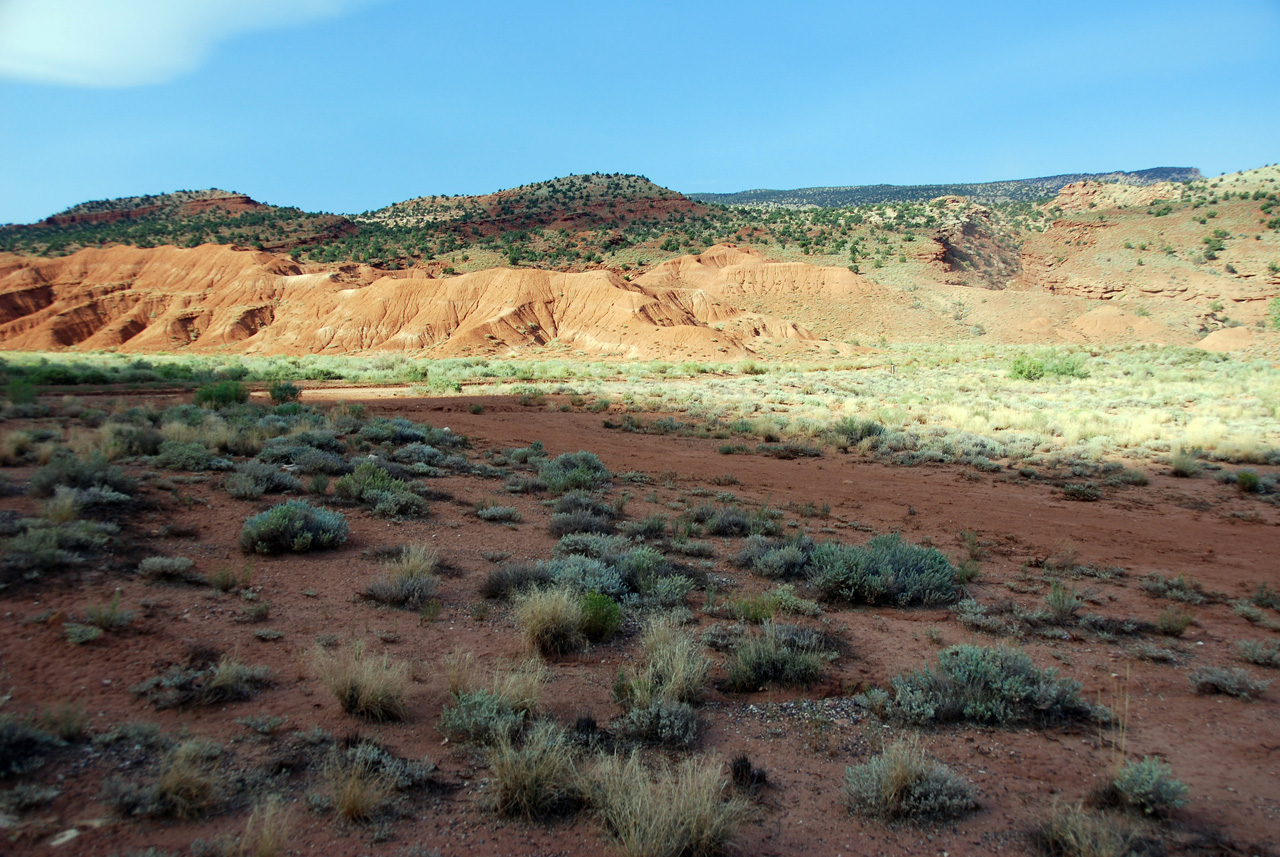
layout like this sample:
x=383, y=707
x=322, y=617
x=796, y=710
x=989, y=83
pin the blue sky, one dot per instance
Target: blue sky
x=348, y=105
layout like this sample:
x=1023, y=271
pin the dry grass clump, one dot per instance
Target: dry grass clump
x=536, y=777
x=551, y=620
x=1173, y=621
x=266, y=833
x=368, y=686
x=360, y=789
x=416, y=560
x=232, y=681
x=904, y=784
x=14, y=446
x=1070, y=831
x=187, y=786
x=774, y=656
x=413, y=580
x=678, y=812
x=673, y=667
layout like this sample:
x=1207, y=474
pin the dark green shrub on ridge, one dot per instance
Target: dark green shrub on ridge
x=221, y=394
x=285, y=391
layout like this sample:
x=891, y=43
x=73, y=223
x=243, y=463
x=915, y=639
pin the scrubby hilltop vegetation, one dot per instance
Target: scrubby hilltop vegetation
x=1017, y=190
x=182, y=219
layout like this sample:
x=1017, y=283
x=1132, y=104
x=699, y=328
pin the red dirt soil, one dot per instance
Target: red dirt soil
x=1226, y=750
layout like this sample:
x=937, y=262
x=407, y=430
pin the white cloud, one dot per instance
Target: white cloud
x=111, y=43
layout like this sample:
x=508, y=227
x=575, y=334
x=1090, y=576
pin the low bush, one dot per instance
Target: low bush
x=609, y=549
x=306, y=459
x=1263, y=653
x=1026, y=368
x=483, y=715
x=663, y=591
x=367, y=686
x=407, y=589
x=40, y=548
x=772, y=558
x=1180, y=588
x=252, y=479
x=373, y=486
x=580, y=471
x=295, y=526
x=1083, y=491
x=24, y=747
x=510, y=579
x=582, y=501
x=65, y=468
x=191, y=456
x=652, y=527
x=904, y=784
x=412, y=581
x=583, y=574
x=1148, y=786
x=480, y=716
x=186, y=687
x=1248, y=482
x=886, y=570
x=1229, y=681
x=977, y=684
x=1174, y=621
x=664, y=722
x=579, y=521
x=499, y=514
